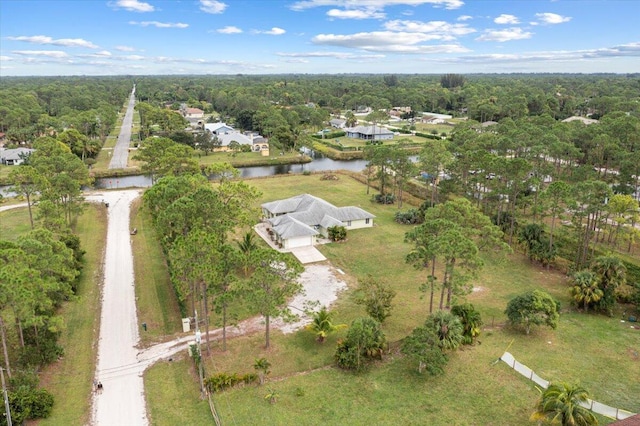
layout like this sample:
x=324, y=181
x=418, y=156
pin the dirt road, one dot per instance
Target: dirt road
x=121, y=402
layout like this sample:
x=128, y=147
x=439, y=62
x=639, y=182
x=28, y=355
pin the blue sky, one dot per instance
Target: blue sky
x=148, y=37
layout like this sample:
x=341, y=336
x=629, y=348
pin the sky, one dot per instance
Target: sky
x=153, y=37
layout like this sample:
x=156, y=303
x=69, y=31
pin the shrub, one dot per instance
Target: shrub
x=221, y=381
x=410, y=217
x=365, y=341
x=337, y=233
x=384, y=198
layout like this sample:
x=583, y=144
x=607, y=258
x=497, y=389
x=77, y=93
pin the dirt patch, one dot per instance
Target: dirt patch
x=321, y=288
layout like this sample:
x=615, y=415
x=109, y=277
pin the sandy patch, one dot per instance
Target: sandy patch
x=321, y=288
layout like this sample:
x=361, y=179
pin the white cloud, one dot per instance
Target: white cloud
x=552, y=18
x=133, y=6
x=67, y=42
x=229, y=30
x=506, y=20
x=272, y=31
x=355, y=14
x=440, y=30
x=388, y=41
x=125, y=49
x=464, y=18
x=5, y=58
x=337, y=55
x=507, y=34
x=212, y=6
x=134, y=57
x=375, y=4
x=46, y=53
x=623, y=50
x=159, y=24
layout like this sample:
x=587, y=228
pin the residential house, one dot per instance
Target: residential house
x=195, y=113
x=376, y=133
x=398, y=111
x=298, y=221
x=14, y=157
x=227, y=134
x=218, y=128
x=338, y=123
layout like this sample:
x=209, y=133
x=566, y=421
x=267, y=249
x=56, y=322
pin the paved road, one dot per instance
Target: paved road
x=120, y=154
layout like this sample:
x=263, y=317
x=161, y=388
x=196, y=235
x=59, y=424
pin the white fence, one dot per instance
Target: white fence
x=595, y=406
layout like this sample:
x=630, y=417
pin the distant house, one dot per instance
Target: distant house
x=227, y=134
x=376, y=133
x=428, y=119
x=338, y=123
x=398, y=111
x=299, y=220
x=196, y=113
x=218, y=128
x=14, y=157
x=584, y=120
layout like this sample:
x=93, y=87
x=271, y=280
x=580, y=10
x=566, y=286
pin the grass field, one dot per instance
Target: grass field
x=156, y=301
x=600, y=352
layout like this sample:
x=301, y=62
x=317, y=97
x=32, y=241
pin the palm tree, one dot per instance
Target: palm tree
x=447, y=327
x=322, y=324
x=585, y=288
x=562, y=402
x=611, y=273
x=247, y=246
x=262, y=366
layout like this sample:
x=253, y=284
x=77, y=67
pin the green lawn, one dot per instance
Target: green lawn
x=156, y=302
x=14, y=222
x=600, y=352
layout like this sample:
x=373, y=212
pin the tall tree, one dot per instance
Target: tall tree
x=273, y=281
x=26, y=182
x=164, y=157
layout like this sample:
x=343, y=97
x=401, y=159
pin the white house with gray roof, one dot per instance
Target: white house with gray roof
x=376, y=133
x=14, y=157
x=298, y=221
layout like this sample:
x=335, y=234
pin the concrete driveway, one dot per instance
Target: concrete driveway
x=308, y=254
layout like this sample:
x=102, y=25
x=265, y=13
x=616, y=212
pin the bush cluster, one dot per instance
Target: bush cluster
x=221, y=381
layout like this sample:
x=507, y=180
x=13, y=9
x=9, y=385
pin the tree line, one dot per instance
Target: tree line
x=39, y=272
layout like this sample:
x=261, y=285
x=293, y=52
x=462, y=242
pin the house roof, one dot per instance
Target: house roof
x=228, y=137
x=214, y=127
x=577, y=118
x=370, y=130
x=194, y=111
x=14, y=154
x=629, y=421
x=337, y=121
x=290, y=227
x=298, y=215
x=313, y=210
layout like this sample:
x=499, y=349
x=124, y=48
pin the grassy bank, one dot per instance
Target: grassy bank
x=156, y=301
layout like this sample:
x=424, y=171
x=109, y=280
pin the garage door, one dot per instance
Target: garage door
x=300, y=242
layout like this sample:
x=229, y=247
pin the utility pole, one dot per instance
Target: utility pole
x=6, y=398
x=200, y=368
